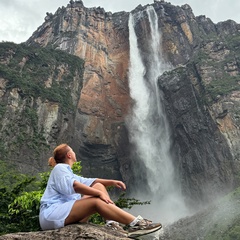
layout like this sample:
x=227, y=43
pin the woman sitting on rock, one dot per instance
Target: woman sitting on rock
x=62, y=204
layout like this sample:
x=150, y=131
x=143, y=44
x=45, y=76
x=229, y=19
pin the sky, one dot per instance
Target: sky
x=20, y=18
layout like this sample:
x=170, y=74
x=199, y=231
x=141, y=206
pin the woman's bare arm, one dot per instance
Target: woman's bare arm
x=110, y=182
x=85, y=190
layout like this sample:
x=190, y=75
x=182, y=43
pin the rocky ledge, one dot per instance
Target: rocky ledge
x=71, y=232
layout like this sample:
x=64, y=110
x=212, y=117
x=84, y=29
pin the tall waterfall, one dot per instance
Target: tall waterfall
x=154, y=175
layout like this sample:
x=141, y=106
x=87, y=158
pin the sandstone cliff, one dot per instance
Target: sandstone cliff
x=99, y=38
x=201, y=96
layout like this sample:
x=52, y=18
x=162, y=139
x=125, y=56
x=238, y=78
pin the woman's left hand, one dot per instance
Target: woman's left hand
x=111, y=182
x=119, y=184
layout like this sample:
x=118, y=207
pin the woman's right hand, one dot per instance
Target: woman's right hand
x=105, y=198
x=89, y=191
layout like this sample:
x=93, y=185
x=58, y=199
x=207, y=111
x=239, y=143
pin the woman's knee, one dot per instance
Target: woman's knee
x=98, y=186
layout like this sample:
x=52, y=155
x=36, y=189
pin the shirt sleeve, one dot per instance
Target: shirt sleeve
x=63, y=180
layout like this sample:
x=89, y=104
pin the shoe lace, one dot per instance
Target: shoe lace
x=144, y=222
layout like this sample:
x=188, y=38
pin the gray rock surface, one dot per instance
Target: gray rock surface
x=71, y=232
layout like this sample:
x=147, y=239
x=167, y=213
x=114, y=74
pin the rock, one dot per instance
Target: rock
x=70, y=232
x=206, y=166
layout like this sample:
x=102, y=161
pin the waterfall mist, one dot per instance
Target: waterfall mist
x=154, y=176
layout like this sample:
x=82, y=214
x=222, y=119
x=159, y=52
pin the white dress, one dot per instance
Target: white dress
x=59, y=196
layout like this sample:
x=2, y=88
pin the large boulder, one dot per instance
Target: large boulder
x=75, y=231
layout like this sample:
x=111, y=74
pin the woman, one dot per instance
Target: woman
x=62, y=204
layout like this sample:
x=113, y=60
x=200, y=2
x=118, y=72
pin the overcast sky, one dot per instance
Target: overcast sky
x=20, y=18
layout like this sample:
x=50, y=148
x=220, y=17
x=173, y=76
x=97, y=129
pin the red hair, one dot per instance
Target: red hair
x=59, y=155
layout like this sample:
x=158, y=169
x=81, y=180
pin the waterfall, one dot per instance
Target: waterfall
x=153, y=169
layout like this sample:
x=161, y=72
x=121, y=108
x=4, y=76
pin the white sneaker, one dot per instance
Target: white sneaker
x=143, y=227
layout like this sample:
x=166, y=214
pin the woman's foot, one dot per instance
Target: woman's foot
x=143, y=227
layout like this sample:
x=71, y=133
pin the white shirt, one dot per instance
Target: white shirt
x=60, y=185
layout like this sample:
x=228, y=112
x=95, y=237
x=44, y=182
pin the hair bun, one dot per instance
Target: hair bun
x=51, y=162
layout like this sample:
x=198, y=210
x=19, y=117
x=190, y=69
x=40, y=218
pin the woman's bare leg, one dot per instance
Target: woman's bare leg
x=85, y=207
x=100, y=187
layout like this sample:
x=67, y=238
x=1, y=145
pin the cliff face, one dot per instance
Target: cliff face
x=100, y=39
x=201, y=96
x=200, y=149
x=39, y=92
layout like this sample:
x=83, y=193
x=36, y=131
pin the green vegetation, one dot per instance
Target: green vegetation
x=233, y=42
x=12, y=185
x=2, y=110
x=20, y=199
x=22, y=132
x=201, y=57
x=212, y=65
x=37, y=75
x=29, y=68
x=222, y=86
